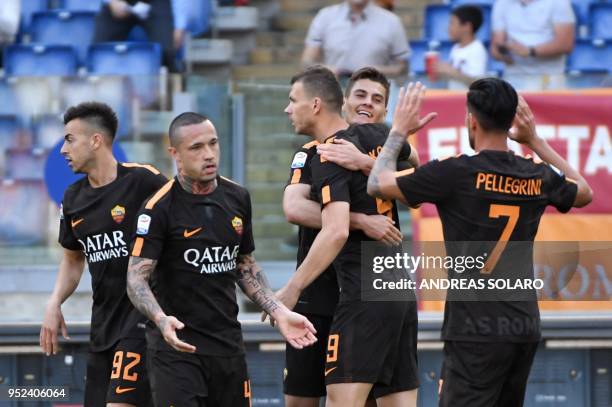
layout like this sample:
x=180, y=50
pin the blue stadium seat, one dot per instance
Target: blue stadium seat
x=8, y=98
x=200, y=13
x=494, y=67
x=65, y=28
x=32, y=200
x=40, y=60
x=590, y=57
x=456, y=3
x=115, y=91
x=601, y=21
x=581, y=9
x=25, y=164
x=9, y=132
x=437, y=17
x=141, y=61
x=81, y=5
x=417, y=56
x=47, y=130
x=124, y=58
x=29, y=7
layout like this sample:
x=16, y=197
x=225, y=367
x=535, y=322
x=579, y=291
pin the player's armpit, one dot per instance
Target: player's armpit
x=138, y=289
x=299, y=209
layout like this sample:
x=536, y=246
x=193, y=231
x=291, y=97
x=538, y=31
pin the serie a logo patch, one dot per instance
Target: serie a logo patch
x=237, y=225
x=118, y=213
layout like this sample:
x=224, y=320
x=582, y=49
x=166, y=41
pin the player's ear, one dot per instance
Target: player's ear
x=97, y=140
x=172, y=151
x=316, y=105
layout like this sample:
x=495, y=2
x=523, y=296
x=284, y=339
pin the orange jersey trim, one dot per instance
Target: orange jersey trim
x=137, y=165
x=159, y=194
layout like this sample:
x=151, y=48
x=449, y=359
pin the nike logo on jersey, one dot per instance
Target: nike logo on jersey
x=121, y=390
x=75, y=223
x=328, y=371
x=188, y=233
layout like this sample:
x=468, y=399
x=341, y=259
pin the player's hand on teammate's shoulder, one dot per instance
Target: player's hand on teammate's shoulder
x=345, y=154
x=523, y=128
x=382, y=228
x=52, y=324
x=406, y=118
x=295, y=328
x=168, y=325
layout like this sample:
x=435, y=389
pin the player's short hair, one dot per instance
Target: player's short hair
x=493, y=101
x=183, y=119
x=320, y=82
x=372, y=74
x=96, y=114
x=469, y=14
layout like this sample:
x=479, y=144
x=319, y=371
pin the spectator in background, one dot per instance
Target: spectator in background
x=10, y=13
x=386, y=4
x=532, y=38
x=378, y=33
x=468, y=57
x=157, y=17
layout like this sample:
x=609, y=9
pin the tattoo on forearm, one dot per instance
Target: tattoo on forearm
x=139, y=272
x=254, y=283
x=386, y=160
x=194, y=186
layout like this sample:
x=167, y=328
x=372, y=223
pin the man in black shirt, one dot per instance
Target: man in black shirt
x=97, y=215
x=366, y=98
x=494, y=197
x=194, y=240
x=365, y=352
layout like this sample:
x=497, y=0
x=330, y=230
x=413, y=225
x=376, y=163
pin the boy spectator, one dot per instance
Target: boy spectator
x=468, y=57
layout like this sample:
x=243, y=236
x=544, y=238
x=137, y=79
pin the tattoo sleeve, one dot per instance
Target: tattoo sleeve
x=254, y=283
x=386, y=160
x=139, y=272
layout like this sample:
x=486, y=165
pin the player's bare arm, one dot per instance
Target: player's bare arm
x=296, y=329
x=326, y=246
x=524, y=132
x=69, y=275
x=139, y=291
x=301, y=210
x=406, y=121
x=347, y=155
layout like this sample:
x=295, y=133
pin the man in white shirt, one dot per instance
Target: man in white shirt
x=354, y=34
x=532, y=37
x=468, y=57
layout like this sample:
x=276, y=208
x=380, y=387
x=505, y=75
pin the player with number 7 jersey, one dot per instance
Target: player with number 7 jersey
x=489, y=199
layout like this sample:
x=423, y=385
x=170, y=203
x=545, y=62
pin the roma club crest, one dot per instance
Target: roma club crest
x=237, y=225
x=118, y=213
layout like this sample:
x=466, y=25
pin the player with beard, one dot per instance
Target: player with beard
x=353, y=369
x=97, y=215
x=485, y=362
x=366, y=99
x=194, y=241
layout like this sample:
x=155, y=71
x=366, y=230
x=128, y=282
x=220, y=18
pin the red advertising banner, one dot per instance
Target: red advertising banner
x=576, y=124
